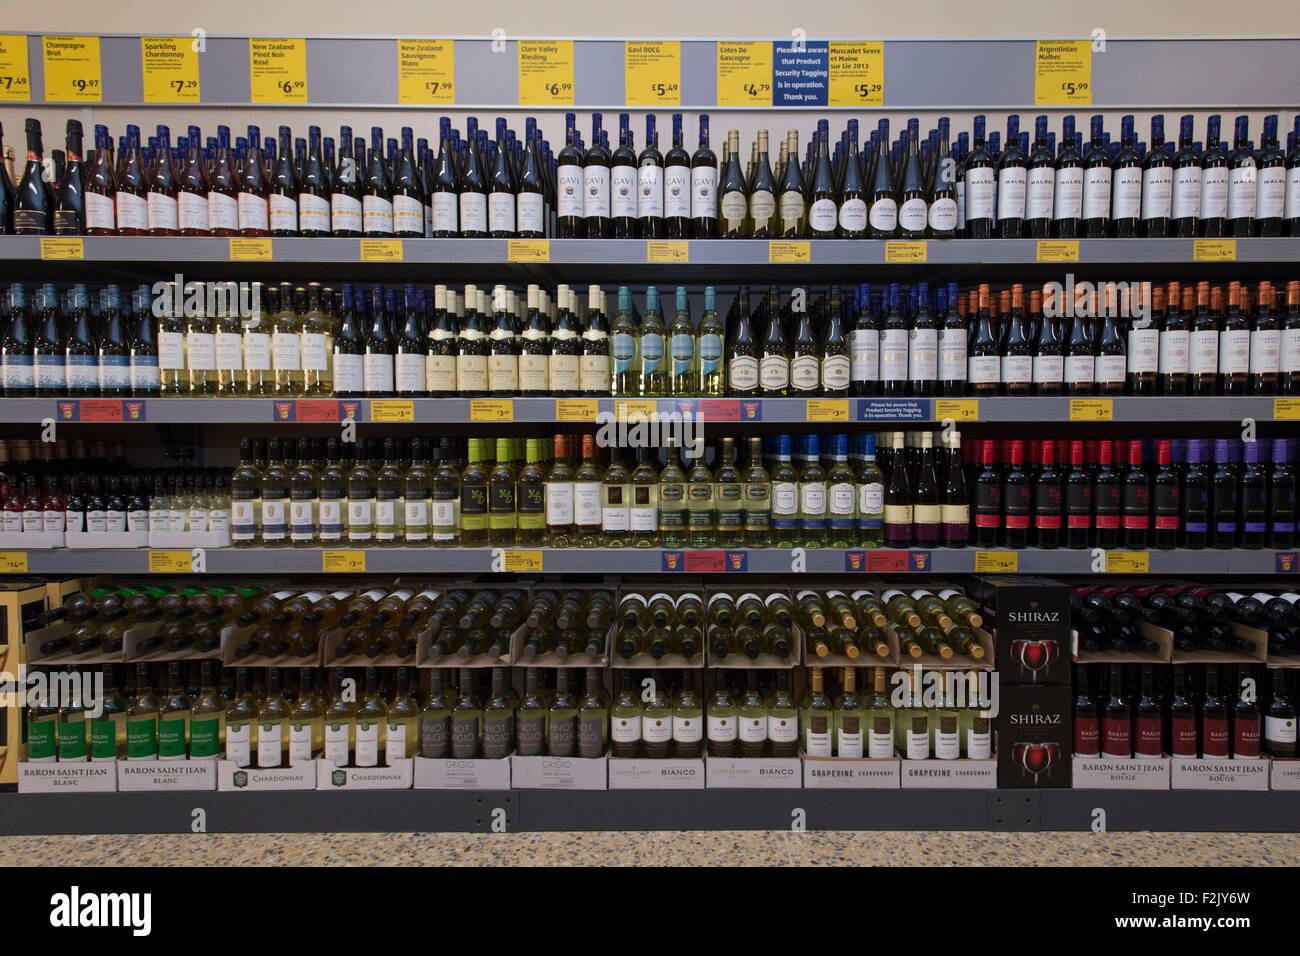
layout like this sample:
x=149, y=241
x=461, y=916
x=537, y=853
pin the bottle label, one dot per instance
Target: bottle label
x=1271, y=192
x=704, y=192
x=286, y=352
x=569, y=191
x=864, y=346
x=1048, y=369
x=377, y=370
x=893, y=355
x=822, y=216
x=943, y=214
x=313, y=213
x=257, y=351
x=923, y=355
x=377, y=214
x=367, y=743
x=314, y=350
x=528, y=213
x=1241, y=192
x=253, y=213
x=408, y=371
x=1110, y=368
x=503, y=373
x=349, y=378
x=774, y=372
x=841, y=500
x=1126, y=195
x=273, y=519
x=947, y=739
x=336, y=744
x=18, y=372
x=1292, y=208
x=1079, y=369
x=835, y=372
x=751, y=730
x=812, y=499
x=1039, y=188
x=230, y=351
x=1012, y=182
x=1173, y=352
x=917, y=739
x=649, y=198
x=1157, y=192
x=1096, y=192
x=1143, y=350
x=408, y=214
x=100, y=212
x=191, y=211
x=171, y=350
x=1280, y=731
x=984, y=369
x=652, y=353
x=687, y=729
x=132, y=212
x=853, y=214
x=284, y=213
x=677, y=192
x=586, y=504
x=162, y=212
x=1265, y=345
x=1234, y=351
x=1186, y=203
x=952, y=355
x=1069, y=193
x=1017, y=369
x=1214, y=192
x=200, y=351
x=1288, y=362
x=785, y=505
x=804, y=373
x=615, y=516
x=734, y=207
x=345, y=213
x=239, y=739
x=626, y=728
x=471, y=373
x=980, y=183
x=817, y=736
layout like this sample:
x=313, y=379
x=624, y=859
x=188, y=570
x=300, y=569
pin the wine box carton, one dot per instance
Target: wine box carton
x=1034, y=736
x=51, y=776
x=165, y=776
x=558, y=773
x=1031, y=622
x=1219, y=773
x=656, y=773
x=1110, y=773
x=1284, y=774
x=20, y=601
x=300, y=776
x=753, y=773
x=848, y=773
x=959, y=774
x=395, y=776
x=110, y=540
x=448, y=773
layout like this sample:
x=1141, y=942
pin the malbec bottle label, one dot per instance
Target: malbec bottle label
x=1186, y=203
x=1157, y=192
x=1069, y=193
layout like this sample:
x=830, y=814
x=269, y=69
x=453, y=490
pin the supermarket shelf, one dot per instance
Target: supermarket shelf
x=575, y=258
x=578, y=411
x=639, y=810
x=656, y=560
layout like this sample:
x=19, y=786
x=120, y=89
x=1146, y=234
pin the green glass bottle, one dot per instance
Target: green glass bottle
x=474, y=498
x=812, y=495
x=362, y=492
x=530, y=496
x=722, y=718
x=774, y=366
x=756, y=499
x=142, y=718
x=245, y=498
x=503, y=518
x=870, y=482
x=561, y=719
x=806, y=352
x=730, y=498
x=701, y=505
x=817, y=717
x=275, y=498
x=653, y=348
x=841, y=497
x=390, y=511
x=688, y=718
x=711, y=372
x=625, y=718
x=444, y=500
x=785, y=496
x=880, y=719
x=672, y=495
x=752, y=716
x=850, y=716
x=625, y=349
x=587, y=497
x=744, y=348
x=682, y=349
x=559, y=497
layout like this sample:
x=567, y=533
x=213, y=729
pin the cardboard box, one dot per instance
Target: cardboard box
x=231, y=776
x=1034, y=736
x=761, y=773
x=1109, y=773
x=396, y=776
x=651, y=773
x=1219, y=774
x=432, y=773
x=67, y=777
x=1284, y=774
x=21, y=600
x=426, y=656
x=836, y=773
x=162, y=776
x=558, y=773
x=1136, y=655
x=1031, y=621
x=960, y=774
x=33, y=640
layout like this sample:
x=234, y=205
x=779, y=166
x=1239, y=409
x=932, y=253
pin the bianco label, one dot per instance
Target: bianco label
x=625, y=730
x=1126, y=195
x=782, y=730
x=1143, y=350
x=724, y=729
x=687, y=730
x=1039, y=191
x=656, y=730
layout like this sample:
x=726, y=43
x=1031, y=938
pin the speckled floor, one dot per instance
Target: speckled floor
x=743, y=847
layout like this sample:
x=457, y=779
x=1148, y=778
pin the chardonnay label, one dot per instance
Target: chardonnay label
x=299, y=743
x=979, y=739
x=880, y=738
x=947, y=740
x=835, y=372
x=743, y=373
x=804, y=373
x=817, y=737
x=367, y=743
x=848, y=737
x=336, y=743
x=239, y=738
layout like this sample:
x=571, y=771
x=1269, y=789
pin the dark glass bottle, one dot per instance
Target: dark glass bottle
x=1214, y=183
x=315, y=194
x=704, y=186
x=1078, y=500
x=501, y=189
x=376, y=190
x=1017, y=498
x=650, y=186
x=1157, y=183
x=1185, y=202
x=70, y=203
x=1097, y=182
x=677, y=186
x=623, y=184
x=1106, y=498
x=1166, y=488
x=979, y=175
x=1281, y=497
x=1126, y=185
x=1243, y=174
x=1013, y=174
x=1224, y=504
x=34, y=201
x=1067, y=201
x=983, y=362
x=1195, y=497
x=1048, y=504
x=988, y=499
x=1018, y=353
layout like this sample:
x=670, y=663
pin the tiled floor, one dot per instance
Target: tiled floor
x=742, y=847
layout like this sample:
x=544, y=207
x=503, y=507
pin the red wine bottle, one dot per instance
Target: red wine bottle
x=1016, y=497
x=988, y=499
x=1181, y=717
x=1116, y=721
x=1281, y=497
x=1174, y=334
x=1245, y=719
x=1106, y=499
x=1087, y=727
x=1215, y=737
x=1047, y=498
x=1078, y=500
x=1167, y=493
x=1148, y=725
x=1136, y=501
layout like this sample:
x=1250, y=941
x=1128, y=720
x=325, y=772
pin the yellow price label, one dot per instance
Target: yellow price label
x=1286, y=409
x=1058, y=251
x=1128, y=562
x=528, y=250
x=426, y=72
x=169, y=562
x=1092, y=409
x=905, y=251
x=857, y=73
x=15, y=82
x=170, y=68
x=789, y=252
x=1063, y=73
x=388, y=410
x=381, y=250
x=652, y=73
x=256, y=250
x=72, y=69
x=13, y=562
x=1214, y=250
x=576, y=409
x=277, y=70
x=958, y=409
x=546, y=73
x=521, y=561
x=492, y=410
x=62, y=249
x=745, y=74
x=828, y=410
x=996, y=562
x=332, y=562
x=657, y=250
x=635, y=408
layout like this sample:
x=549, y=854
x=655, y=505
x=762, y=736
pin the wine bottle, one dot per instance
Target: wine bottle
x=1242, y=181
x=1012, y=182
x=596, y=185
x=704, y=186
x=1067, y=209
x=1214, y=183
x=33, y=209
x=1126, y=187
x=70, y=202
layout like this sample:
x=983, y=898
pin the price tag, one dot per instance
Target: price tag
x=1063, y=73
x=528, y=250
x=857, y=74
x=256, y=250
x=492, y=410
x=789, y=252
x=1058, y=251
x=392, y=411
x=658, y=250
x=342, y=561
x=13, y=562
x=426, y=72
x=277, y=70
x=545, y=72
x=100, y=410
x=381, y=250
x=958, y=409
x=828, y=410
x=1128, y=562
x=62, y=249
x=1092, y=409
x=995, y=562
x=905, y=251
x=745, y=74
x=169, y=562
x=1286, y=409
x=576, y=409
x=1214, y=250
x=519, y=562
x=652, y=73
x=15, y=84
x=635, y=408
x=170, y=68
x=72, y=69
